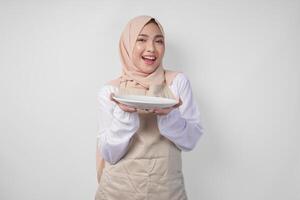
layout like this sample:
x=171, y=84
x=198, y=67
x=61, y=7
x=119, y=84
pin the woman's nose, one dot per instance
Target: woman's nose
x=150, y=47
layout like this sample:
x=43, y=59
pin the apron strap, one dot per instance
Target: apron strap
x=169, y=76
x=115, y=82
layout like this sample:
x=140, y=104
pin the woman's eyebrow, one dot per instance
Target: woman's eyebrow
x=159, y=36
x=145, y=35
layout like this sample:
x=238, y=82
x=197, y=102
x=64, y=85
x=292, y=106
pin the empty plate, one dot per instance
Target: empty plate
x=145, y=102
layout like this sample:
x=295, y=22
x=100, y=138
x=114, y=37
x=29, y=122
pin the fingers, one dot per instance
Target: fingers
x=165, y=111
x=112, y=99
x=162, y=111
x=127, y=108
x=122, y=106
x=178, y=104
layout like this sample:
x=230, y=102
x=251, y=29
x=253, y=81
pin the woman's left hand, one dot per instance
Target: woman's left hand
x=165, y=111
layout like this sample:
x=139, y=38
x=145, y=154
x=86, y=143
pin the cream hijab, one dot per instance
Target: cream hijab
x=131, y=75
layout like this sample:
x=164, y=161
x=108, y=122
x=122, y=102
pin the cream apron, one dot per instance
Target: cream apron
x=151, y=169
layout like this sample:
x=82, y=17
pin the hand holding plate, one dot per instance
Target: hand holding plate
x=165, y=111
x=124, y=107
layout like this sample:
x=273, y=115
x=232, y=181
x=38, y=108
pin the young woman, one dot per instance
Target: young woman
x=139, y=151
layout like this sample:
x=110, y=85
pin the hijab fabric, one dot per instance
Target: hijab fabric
x=131, y=75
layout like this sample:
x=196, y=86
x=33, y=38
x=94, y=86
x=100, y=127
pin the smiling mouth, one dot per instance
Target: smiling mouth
x=149, y=60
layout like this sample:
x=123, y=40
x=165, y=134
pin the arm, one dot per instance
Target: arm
x=182, y=125
x=116, y=127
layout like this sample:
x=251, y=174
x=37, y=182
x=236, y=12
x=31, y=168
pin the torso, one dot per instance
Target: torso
x=151, y=168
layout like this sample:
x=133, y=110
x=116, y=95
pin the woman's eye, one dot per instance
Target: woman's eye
x=160, y=41
x=141, y=40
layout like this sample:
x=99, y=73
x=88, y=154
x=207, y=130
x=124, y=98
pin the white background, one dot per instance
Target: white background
x=242, y=58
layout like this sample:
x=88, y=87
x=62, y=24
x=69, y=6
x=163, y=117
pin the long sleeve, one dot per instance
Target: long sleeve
x=182, y=125
x=115, y=126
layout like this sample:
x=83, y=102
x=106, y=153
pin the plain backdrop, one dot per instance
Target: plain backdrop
x=242, y=58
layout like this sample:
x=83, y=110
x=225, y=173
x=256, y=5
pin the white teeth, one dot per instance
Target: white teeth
x=150, y=57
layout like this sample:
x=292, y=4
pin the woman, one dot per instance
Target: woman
x=141, y=149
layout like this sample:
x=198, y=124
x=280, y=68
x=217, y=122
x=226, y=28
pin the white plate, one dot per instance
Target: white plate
x=145, y=102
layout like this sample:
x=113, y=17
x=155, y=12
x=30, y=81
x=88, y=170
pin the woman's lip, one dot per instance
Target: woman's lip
x=149, y=62
x=144, y=56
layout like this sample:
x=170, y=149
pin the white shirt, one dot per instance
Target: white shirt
x=116, y=127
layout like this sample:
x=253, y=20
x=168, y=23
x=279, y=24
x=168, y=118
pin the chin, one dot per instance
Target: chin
x=149, y=69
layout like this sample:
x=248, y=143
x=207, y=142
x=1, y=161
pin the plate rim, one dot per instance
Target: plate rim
x=119, y=98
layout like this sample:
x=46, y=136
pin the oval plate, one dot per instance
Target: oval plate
x=145, y=102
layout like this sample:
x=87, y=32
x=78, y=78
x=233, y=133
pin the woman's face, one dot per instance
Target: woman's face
x=149, y=49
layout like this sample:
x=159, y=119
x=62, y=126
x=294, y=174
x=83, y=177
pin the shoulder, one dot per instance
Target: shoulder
x=175, y=77
x=180, y=81
x=105, y=90
x=114, y=82
x=181, y=84
x=109, y=87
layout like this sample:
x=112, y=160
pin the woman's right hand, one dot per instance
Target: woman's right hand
x=123, y=106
